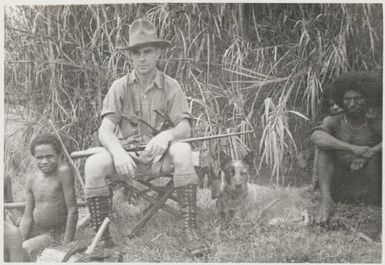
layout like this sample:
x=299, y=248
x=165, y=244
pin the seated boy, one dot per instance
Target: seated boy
x=50, y=207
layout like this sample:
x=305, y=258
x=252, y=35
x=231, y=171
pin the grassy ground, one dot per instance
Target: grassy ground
x=160, y=239
x=245, y=242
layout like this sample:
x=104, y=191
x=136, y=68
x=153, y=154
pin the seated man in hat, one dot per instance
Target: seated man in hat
x=349, y=145
x=129, y=116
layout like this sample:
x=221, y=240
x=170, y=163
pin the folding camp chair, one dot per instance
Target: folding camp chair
x=156, y=195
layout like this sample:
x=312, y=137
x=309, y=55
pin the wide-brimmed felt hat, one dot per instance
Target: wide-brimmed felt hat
x=143, y=32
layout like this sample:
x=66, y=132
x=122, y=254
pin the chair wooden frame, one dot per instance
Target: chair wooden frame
x=157, y=201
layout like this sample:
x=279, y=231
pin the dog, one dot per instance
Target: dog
x=245, y=201
x=233, y=190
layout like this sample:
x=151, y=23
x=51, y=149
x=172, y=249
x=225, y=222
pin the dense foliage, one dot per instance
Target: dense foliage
x=260, y=66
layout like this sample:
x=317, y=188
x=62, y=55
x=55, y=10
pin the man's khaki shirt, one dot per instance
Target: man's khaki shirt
x=126, y=101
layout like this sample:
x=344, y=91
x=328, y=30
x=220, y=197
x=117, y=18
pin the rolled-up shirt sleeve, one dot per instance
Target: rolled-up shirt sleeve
x=112, y=103
x=177, y=107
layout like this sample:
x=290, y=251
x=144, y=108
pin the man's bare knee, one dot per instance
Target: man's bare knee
x=97, y=164
x=180, y=152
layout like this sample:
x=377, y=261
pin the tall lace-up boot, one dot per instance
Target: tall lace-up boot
x=100, y=208
x=187, y=198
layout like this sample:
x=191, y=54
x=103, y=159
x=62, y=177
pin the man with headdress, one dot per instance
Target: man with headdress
x=129, y=115
x=350, y=144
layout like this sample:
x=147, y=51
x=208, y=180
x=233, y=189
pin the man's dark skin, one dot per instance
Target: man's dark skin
x=349, y=155
x=330, y=108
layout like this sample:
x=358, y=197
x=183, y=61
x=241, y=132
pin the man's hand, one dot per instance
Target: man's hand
x=358, y=163
x=364, y=151
x=124, y=164
x=159, y=144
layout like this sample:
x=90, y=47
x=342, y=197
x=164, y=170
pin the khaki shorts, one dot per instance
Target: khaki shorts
x=100, y=167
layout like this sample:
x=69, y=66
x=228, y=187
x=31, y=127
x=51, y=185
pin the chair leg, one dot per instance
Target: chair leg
x=154, y=200
x=160, y=200
x=157, y=189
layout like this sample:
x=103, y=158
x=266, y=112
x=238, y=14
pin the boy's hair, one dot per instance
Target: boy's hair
x=45, y=138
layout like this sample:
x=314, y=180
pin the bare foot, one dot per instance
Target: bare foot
x=325, y=208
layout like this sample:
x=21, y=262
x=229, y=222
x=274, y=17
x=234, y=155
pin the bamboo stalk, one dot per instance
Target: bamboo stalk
x=72, y=163
x=216, y=67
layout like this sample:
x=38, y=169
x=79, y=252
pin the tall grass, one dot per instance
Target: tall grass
x=236, y=63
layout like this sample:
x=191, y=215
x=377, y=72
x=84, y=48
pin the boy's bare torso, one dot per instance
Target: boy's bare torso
x=50, y=211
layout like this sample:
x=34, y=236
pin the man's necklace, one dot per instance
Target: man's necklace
x=355, y=130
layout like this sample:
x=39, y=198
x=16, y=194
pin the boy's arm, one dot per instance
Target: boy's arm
x=27, y=220
x=68, y=184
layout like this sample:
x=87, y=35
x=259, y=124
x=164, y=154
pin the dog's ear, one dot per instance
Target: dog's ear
x=248, y=159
